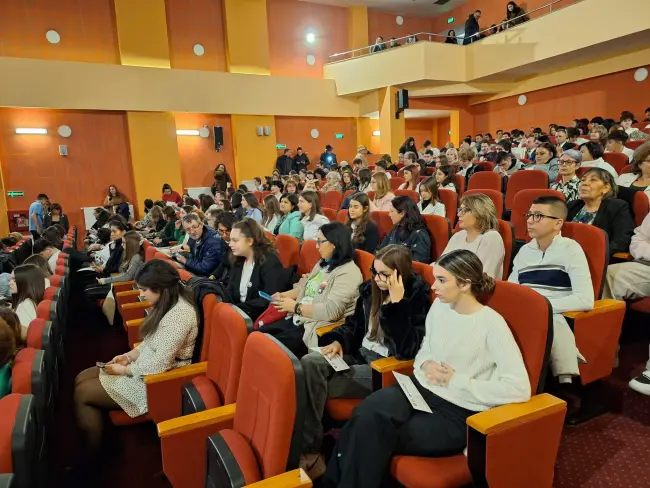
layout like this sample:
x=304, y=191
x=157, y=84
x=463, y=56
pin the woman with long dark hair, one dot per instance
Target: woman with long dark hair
x=252, y=207
x=289, y=222
x=169, y=333
x=222, y=180
x=236, y=204
x=515, y=14
x=388, y=320
x=254, y=267
x=468, y=362
x=410, y=229
x=271, y=213
x=411, y=177
x=112, y=193
x=323, y=297
x=446, y=177
x=365, y=233
x=56, y=216
x=312, y=214
x=27, y=285
x=408, y=146
x=429, y=203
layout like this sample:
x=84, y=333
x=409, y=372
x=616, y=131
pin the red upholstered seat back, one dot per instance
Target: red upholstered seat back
x=495, y=195
x=43, y=309
x=149, y=253
x=530, y=326
x=617, y=160
x=450, y=199
x=288, y=250
x=308, y=258
x=485, y=180
x=440, y=230
x=271, y=387
x=596, y=247
x=21, y=371
x=641, y=207
x=9, y=406
x=525, y=180
x=330, y=213
x=228, y=335
x=332, y=199
x=426, y=272
x=507, y=232
x=383, y=221
x=413, y=195
x=522, y=202
x=364, y=261
x=342, y=216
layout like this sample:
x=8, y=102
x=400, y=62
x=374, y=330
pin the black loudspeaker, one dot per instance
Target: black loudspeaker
x=402, y=99
x=218, y=138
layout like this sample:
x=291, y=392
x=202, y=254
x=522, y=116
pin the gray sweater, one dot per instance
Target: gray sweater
x=128, y=275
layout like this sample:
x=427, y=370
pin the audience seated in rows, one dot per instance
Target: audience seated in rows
x=28, y=284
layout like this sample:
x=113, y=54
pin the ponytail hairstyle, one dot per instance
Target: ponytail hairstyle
x=394, y=257
x=466, y=267
x=161, y=277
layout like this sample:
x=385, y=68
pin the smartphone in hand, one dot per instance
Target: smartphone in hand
x=266, y=296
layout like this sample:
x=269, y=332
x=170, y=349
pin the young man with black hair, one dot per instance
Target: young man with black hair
x=300, y=160
x=472, y=28
x=555, y=267
x=37, y=214
x=47, y=251
x=380, y=167
x=425, y=147
x=616, y=143
x=627, y=120
x=328, y=157
x=284, y=163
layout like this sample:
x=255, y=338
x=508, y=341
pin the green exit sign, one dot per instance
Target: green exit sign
x=16, y=193
x=280, y=146
x=338, y=136
x=449, y=132
x=450, y=20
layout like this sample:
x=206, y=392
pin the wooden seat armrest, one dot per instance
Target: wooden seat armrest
x=507, y=416
x=134, y=323
x=600, y=306
x=623, y=255
x=321, y=331
x=196, y=420
x=182, y=372
x=386, y=365
x=291, y=479
x=137, y=344
x=136, y=306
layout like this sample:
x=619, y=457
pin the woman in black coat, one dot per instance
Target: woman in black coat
x=388, y=320
x=597, y=205
x=365, y=233
x=410, y=230
x=56, y=216
x=222, y=180
x=255, y=267
x=515, y=14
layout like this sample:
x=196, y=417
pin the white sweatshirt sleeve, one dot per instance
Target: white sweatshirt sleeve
x=582, y=296
x=640, y=245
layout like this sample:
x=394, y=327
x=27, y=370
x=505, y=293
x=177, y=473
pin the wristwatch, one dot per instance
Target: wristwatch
x=298, y=309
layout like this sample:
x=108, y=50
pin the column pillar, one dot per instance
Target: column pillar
x=247, y=37
x=4, y=219
x=254, y=155
x=392, y=130
x=358, y=28
x=454, y=127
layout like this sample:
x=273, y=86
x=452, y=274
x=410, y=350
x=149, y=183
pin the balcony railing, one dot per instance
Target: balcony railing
x=431, y=37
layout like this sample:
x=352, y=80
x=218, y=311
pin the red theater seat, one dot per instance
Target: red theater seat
x=332, y=200
x=413, y=195
x=308, y=258
x=450, y=199
x=485, y=180
x=20, y=434
x=495, y=195
x=288, y=250
x=530, y=179
x=618, y=160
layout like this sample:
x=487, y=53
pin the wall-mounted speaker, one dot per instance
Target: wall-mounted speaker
x=402, y=99
x=218, y=138
x=260, y=130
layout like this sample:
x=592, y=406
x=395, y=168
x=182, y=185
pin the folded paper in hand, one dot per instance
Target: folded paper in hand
x=336, y=362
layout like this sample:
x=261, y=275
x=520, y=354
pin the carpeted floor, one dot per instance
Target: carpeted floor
x=609, y=451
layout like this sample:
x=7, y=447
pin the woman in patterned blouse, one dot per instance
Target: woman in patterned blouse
x=569, y=181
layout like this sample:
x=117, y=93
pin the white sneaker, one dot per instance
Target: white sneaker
x=641, y=383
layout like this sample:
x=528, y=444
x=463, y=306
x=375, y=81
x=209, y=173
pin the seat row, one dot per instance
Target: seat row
x=26, y=420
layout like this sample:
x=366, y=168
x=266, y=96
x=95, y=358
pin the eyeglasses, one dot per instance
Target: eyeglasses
x=193, y=228
x=537, y=217
x=320, y=242
x=566, y=162
x=382, y=277
x=463, y=210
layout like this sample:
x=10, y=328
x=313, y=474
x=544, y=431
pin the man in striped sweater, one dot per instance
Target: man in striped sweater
x=557, y=268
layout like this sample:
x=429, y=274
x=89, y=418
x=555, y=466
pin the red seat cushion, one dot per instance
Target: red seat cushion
x=121, y=418
x=208, y=392
x=244, y=455
x=423, y=472
x=642, y=305
x=341, y=408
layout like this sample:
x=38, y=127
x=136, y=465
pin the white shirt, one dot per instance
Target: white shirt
x=51, y=262
x=437, y=209
x=26, y=311
x=246, y=273
x=489, y=368
x=312, y=227
x=449, y=186
x=488, y=247
x=629, y=152
x=602, y=164
x=374, y=346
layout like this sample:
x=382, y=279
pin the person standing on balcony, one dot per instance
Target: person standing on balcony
x=379, y=45
x=515, y=14
x=472, y=28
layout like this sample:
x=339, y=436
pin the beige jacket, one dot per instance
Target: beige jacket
x=336, y=300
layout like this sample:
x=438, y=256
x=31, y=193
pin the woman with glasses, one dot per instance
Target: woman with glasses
x=409, y=229
x=326, y=295
x=546, y=160
x=477, y=219
x=597, y=205
x=56, y=216
x=569, y=181
x=388, y=320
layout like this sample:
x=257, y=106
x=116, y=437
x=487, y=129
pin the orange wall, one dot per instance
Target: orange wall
x=384, y=25
x=98, y=157
x=289, y=21
x=87, y=30
x=605, y=96
x=295, y=131
x=196, y=22
x=197, y=155
x=493, y=12
x=443, y=131
x=460, y=103
x=421, y=130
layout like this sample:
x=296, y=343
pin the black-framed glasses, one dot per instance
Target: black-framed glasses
x=566, y=162
x=374, y=273
x=320, y=242
x=537, y=216
x=463, y=210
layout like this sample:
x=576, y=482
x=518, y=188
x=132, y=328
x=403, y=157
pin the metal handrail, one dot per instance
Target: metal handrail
x=430, y=34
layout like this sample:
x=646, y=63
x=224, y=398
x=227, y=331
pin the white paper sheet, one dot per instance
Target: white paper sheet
x=336, y=362
x=413, y=395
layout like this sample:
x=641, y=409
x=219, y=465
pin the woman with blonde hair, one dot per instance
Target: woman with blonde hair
x=383, y=194
x=477, y=219
x=452, y=155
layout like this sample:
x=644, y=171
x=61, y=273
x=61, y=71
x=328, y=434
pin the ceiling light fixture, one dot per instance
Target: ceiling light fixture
x=187, y=132
x=30, y=130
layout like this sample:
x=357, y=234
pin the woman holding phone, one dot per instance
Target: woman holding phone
x=388, y=320
x=254, y=267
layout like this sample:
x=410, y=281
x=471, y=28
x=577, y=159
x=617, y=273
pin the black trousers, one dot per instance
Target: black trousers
x=288, y=334
x=385, y=425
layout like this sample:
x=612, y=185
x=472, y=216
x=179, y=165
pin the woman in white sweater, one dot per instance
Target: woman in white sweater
x=429, y=203
x=468, y=362
x=312, y=215
x=169, y=334
x=477, y=218
x=27, y=285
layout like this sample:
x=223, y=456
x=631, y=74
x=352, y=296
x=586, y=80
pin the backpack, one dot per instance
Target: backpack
x=201, y=287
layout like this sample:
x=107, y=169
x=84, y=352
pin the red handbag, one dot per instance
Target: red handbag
x=268, y=317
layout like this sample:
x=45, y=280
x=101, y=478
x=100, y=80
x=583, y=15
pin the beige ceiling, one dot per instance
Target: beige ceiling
x=411, y=113
x=422, y=8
